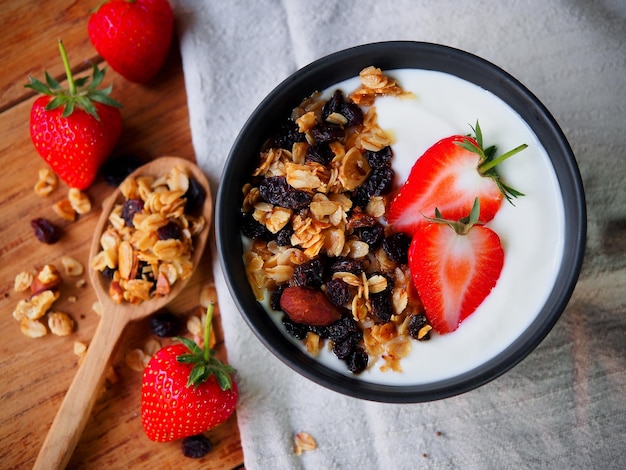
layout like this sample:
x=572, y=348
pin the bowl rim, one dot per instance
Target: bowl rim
x=389, y=55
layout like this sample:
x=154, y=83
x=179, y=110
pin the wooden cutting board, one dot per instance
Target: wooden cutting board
x=37, y=372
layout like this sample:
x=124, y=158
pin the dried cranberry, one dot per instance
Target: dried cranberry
x=396, y=247
x=115, y=170
x=338, y=292
x=275, y=190
x=165, y=324
x=170, y=230
x=309, y=273
x=197, y=446
x=129, y=209
x=416, y=323
x=45, y=231
x=195, y=196
x=320, y=153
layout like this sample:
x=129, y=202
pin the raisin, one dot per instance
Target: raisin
x=346, y=265
x=252, y=228
x=275, y=190
x=357, y=360
x=353, y=113
x=275, y=297
x=380, y=159
x=197, y=446
x=345, y=347
x=283, y=236
x=165, y=324
x=339, y=330
x=309, y=273
x=296, y=330
x=129, y=209
x=320, y=153
x=287, y=135
x=108, y=273
x=382, y=307
x=338, y=292
x=170, y=230
x=360, y=197
x=195, y=195
x=379, y=182
x=45, y=231
x=396, y=247
x=416, y=323
x=115, y=170
x=323, y=133
x=373, y=235
x=333, y=105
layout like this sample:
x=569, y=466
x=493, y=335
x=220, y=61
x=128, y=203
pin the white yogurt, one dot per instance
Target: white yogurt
x=531, y=232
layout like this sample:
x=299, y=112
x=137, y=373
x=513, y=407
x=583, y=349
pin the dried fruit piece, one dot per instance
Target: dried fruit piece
x=197, y=446
x=45, y=231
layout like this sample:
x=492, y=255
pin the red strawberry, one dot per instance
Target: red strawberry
x=133, y=36
x=449, y=176
x=74, y=129
x=186, y=390
x=454, y=266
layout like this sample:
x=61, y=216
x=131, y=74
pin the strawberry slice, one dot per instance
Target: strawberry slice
x=449, y=176
x=454, y=266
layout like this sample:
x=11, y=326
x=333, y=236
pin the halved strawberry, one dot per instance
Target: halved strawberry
x=449, y=176
x=454, y=266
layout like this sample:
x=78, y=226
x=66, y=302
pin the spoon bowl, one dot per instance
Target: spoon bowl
x=76, y=407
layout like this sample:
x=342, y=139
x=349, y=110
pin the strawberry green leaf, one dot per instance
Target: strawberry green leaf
x=52, y=83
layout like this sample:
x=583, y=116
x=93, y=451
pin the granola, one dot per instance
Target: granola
x=337, y=159
x=148, y=244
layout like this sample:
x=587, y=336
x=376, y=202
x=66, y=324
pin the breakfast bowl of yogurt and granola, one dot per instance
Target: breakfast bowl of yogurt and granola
x=401, y=222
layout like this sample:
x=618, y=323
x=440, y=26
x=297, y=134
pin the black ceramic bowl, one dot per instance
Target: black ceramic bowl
x=326, y=72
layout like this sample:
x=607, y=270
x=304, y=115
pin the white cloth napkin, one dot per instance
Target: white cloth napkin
x=562, y=407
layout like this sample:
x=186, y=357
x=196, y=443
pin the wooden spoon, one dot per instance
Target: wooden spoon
x=78, y=403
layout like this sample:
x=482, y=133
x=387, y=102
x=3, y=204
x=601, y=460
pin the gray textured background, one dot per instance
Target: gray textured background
x=565, y=405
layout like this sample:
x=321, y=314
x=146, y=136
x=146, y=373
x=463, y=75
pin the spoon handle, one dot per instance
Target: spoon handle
x=78, y=403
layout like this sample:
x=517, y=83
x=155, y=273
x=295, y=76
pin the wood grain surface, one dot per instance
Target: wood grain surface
x=36, y=373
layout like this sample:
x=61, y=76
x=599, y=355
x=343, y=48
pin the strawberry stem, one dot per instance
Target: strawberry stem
x=486, y=166
x=207, y=329
x=68, y=69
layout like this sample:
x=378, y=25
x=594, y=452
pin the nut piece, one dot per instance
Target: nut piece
x=60, y=323
x=308, y=307
x=47, y=278
x=72, y=266
x=23, y=281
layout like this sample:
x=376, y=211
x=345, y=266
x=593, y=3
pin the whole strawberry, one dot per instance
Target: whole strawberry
x=133, y=36
x=74, y=129
x=186, y=390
